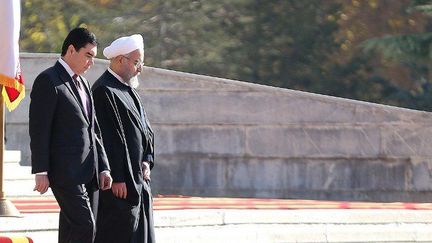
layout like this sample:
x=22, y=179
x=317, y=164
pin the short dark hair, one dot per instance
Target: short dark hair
x=78, y=38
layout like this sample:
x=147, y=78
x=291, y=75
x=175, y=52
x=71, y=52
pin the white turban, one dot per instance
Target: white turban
x=123, y=46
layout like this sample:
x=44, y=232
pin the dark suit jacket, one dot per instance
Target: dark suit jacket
x=126, y=132
x=63, y=140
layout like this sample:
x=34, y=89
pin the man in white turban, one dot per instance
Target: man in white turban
x=125, y=212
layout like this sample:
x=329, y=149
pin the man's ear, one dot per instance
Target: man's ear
x=120, y=59
x=71, y=49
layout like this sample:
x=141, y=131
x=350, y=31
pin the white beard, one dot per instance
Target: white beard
x=134, y=82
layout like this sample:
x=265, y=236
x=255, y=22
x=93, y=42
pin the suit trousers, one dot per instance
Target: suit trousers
x=76, y=222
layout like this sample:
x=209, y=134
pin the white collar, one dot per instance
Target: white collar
x=66, y=66
x=117, y=76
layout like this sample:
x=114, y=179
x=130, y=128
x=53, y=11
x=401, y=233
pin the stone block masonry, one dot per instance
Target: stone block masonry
x=219, y=137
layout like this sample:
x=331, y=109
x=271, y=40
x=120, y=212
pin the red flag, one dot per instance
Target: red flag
x=10, y=70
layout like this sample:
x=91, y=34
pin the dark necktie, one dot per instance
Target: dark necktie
x=82, y=93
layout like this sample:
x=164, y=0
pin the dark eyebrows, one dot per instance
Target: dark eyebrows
x=89, y=54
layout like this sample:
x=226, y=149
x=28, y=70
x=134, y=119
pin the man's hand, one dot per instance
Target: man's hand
x=105, y=180
x=119, y=189
x=41, y=183
x=146, y=170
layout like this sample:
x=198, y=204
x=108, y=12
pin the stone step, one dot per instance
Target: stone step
x=261, y=226
x=22, y=188
x=259, y=233
x=18, y=181
x=14, y=171
x=12, y=156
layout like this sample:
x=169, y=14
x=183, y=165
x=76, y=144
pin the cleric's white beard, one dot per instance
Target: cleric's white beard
x=134, y=82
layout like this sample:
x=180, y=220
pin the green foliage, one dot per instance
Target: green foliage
x=423, y=6
x=413, y=51
x=43, y=28
x=291, y=43
x=412, y=47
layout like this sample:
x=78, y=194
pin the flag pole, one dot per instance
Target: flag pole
x=7, y=209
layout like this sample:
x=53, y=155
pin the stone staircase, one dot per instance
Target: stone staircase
x=18, y=180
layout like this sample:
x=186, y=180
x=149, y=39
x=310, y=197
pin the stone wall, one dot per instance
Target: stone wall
x=219, y=137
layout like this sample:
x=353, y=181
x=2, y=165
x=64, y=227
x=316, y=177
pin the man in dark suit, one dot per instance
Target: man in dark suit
x=125, y=212
x=66, y=149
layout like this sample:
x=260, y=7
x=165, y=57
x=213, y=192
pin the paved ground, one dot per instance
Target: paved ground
x=260, y=226
x=193, y=219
